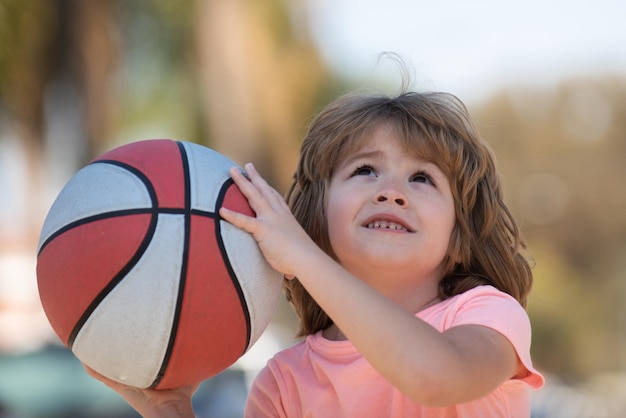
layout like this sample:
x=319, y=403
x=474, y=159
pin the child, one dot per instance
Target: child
x=403, y=264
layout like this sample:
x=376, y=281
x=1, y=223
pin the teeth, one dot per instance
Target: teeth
x=386, y=225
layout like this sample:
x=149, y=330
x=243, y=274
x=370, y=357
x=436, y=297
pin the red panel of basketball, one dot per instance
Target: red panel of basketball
x=160, y=162
x=212, y=328
x=79, y=263
x=235, y=200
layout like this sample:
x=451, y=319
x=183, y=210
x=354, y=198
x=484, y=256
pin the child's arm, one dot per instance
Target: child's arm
x=432, y=368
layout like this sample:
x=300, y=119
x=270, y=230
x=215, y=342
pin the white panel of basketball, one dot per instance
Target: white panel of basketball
x=95, y=189
x=205, y=163
x=137, y=327
x=259, y=282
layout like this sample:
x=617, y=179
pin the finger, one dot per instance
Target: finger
x=239, y=220
x=257, y=180
x=91, y=372
x=250, y=185
x=241, y=180
x=275, y=199
x=259, y=193
x=251, y=192
x=108, y=382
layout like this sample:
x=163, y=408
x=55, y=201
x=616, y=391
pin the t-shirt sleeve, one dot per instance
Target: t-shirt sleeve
x=264, y=398
x=497, y=310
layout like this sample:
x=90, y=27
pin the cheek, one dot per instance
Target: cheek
x=447, y=214
x=337, y=221
x=333, y=222
x=443, y=219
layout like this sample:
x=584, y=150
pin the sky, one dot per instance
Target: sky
x=473, y=48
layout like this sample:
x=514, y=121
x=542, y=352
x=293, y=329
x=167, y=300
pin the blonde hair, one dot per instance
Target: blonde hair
x=486, y=243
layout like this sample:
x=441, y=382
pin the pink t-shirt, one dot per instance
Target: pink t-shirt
x=322, y=378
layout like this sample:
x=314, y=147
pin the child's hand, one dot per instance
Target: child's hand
x=152, y=403
x=279, y=235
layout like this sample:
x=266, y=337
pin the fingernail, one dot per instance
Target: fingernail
x=237, y=170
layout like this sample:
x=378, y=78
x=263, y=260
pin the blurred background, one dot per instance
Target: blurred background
x=546, y=82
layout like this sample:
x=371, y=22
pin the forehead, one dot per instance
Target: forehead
x=417, y=145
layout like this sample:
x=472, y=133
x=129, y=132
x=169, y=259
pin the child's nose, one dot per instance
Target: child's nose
x=392, y=196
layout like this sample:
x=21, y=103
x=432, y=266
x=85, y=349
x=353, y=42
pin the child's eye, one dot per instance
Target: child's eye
x=422, y=177
x=364, y=170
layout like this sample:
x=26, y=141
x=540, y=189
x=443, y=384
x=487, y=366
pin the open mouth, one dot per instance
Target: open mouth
x=387, y=225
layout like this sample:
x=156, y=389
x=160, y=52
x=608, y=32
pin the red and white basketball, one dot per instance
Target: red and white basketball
x=140, y=277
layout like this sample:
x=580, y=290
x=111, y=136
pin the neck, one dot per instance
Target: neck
x=403, y=286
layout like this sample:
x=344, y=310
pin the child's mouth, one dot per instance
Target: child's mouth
x=387, y=225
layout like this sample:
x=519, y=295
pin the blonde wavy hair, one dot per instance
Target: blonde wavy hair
x=486, y=243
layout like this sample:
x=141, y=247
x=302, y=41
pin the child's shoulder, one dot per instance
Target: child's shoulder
x=483, y=294
x=484, y=291
x=492, y=308
x=477, y=304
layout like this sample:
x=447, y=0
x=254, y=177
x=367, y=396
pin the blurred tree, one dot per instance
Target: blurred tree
x=55, y=63
x=46, y=43
x=25, y=64
x=260, y=75
x=92, y=59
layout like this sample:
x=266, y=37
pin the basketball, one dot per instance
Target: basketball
x=141, y=278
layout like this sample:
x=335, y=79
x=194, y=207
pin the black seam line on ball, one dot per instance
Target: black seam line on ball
x=134, y=259
x=121, y=213
x=229, y=267
x=183, y=271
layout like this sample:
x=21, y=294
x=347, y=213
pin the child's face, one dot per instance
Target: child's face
x=390, y=214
